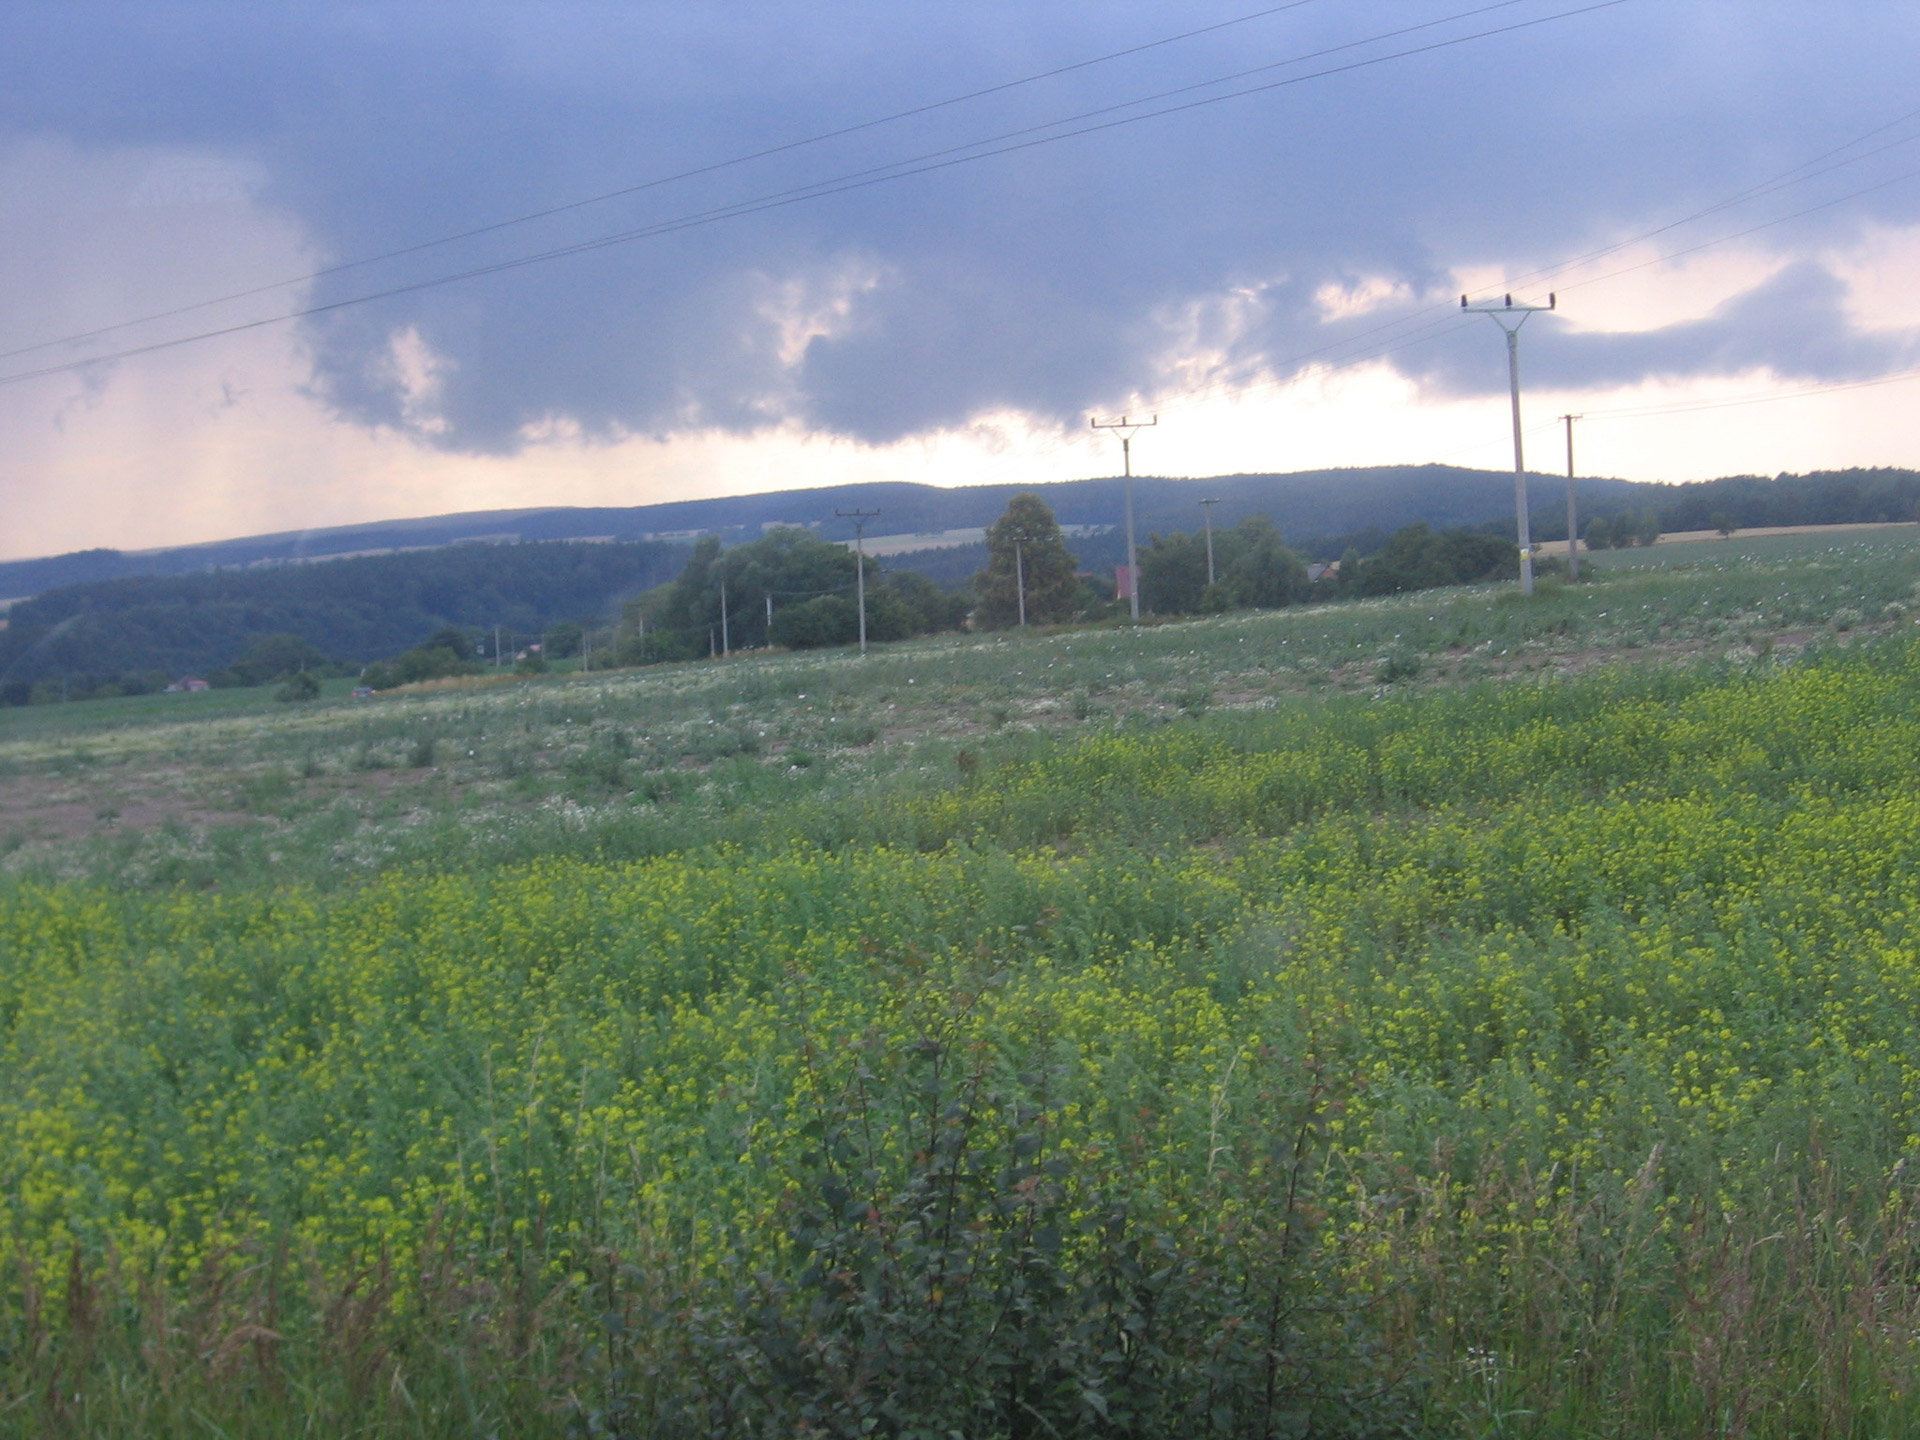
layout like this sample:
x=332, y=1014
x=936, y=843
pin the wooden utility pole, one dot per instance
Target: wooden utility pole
x=1207, y=505
x=1573, y=521
x=1510, y=317
x=860, y=518
x=1124, y=428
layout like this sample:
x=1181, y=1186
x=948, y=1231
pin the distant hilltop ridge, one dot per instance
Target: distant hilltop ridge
x=936, y=529
x=1306, y=504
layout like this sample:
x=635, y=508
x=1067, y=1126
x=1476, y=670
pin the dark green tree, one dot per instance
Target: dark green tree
x=562, y=641
x=1173, y=574
x=790, y=564
x=1420, y=558
x=929, y=608
x=1027, y=529
x=1255, y=570
x=810, y=583
x=300, y=686
x=274, y=657
x=811, y=624
x=235, y=623
x=693, y=599
x=1347, y=571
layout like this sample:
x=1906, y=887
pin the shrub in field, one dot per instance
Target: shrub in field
x=970, y=1276
x=299, y=686
x=446, y=652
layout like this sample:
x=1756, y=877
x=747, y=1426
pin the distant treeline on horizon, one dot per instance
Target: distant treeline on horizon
x=142, y=631
x=157, y=628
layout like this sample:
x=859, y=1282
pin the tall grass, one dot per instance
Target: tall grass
x=1512, y=1059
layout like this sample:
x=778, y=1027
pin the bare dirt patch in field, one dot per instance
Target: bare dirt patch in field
x=54, y=808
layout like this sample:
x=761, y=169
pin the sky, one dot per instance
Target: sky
x=267, y=268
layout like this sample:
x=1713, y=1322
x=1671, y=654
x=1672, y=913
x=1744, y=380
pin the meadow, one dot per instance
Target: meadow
x=1442, y=1015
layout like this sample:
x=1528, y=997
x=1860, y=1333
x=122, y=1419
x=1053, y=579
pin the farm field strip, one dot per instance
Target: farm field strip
x=1381, y=1058
x=673, y=755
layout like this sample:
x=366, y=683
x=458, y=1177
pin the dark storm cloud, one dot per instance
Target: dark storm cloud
x=1051, y=280
x=1795, y=325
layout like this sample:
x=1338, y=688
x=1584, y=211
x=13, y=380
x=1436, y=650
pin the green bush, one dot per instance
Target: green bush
x=299, y=686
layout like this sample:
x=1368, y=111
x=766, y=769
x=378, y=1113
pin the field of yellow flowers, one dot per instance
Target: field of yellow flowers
x=1531, y=1059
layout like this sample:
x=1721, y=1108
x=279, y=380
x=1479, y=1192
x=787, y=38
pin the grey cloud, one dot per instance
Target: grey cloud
x=1794, y=325
x=1042, y=281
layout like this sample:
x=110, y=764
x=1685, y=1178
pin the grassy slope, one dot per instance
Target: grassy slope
x=646, y=762
x=1600, y=1124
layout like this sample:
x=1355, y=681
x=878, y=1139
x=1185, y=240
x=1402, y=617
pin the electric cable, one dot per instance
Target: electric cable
x=1685, y=407
x=1187, y=399
x=695, y=172
x=935, y=161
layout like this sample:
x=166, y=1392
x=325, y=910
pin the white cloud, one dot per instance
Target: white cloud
x=1345, y=300
x=1882, y=273
x=412, y=367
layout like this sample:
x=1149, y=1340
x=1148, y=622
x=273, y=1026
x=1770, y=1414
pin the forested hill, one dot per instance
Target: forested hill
x=370, y=606
x=1308, y=503
x=351, y=610
x=1827, y=497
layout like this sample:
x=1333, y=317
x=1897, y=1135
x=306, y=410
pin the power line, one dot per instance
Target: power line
x=1444, y=315
x=695, y=172
x=1687, y=407
x=1742, y=234
x=933, y=161
x=1752, y=192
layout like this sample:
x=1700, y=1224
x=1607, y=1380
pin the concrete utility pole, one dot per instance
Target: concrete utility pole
x=1124, y=428
x=726, y=647
x=1020, y=582
x=1510, y=317
x=1573, y=523
x=860, y=518
x=1207, y=505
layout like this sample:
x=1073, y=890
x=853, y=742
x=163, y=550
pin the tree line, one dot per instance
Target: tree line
x=661, y=601
x=788, y=589
x=133, y=635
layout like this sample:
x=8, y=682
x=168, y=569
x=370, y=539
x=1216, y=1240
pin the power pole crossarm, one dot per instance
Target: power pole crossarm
x=1510, y=317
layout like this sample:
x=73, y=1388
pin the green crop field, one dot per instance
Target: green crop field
x=1815, y=544
x=1449, y=1015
